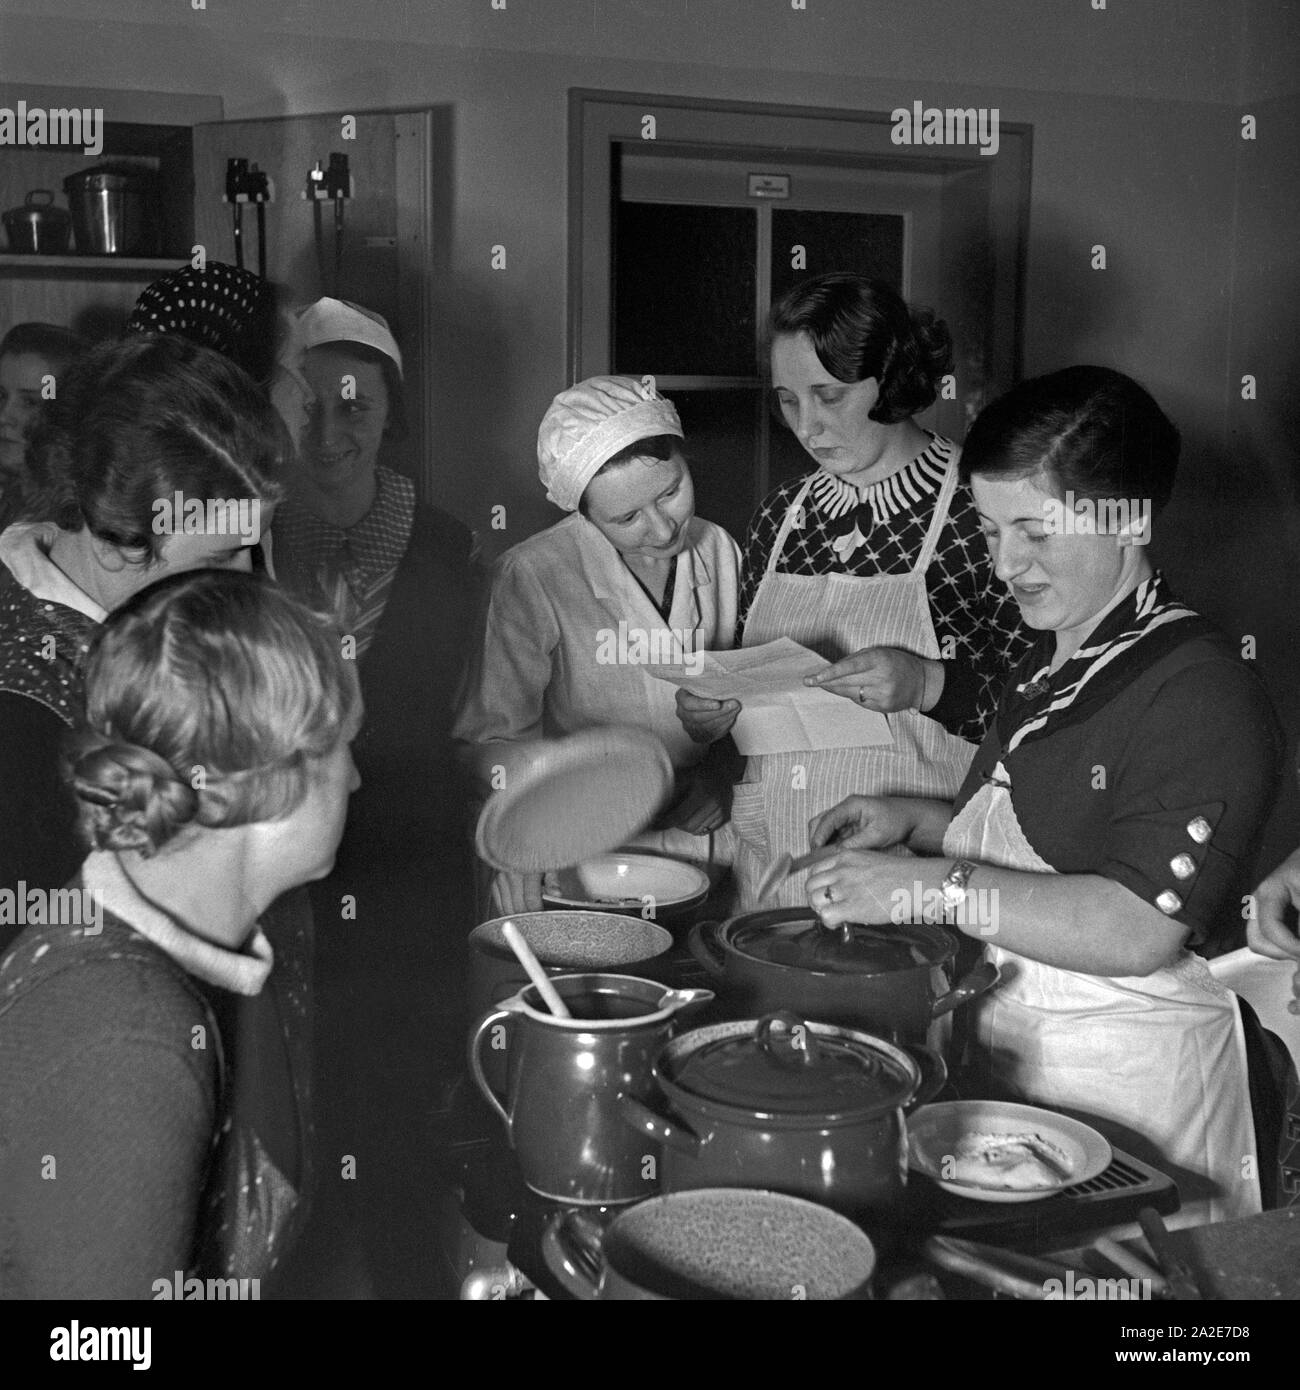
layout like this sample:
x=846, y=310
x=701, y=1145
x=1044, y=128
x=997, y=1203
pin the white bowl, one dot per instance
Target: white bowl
x=629, y=881
x=935, y=1130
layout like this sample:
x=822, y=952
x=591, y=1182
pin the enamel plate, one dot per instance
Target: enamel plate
x=935, y=1131
x=564, y=800
x=627, y=881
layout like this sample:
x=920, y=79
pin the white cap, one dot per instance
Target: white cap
x=337, y=321
x=326, y=321
x=590, y=423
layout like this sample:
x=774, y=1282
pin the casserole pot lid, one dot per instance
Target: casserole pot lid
x=783, y=1065
x=35, y=211
x=853, y=949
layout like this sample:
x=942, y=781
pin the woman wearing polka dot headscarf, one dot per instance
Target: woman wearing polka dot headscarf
x=221, y=307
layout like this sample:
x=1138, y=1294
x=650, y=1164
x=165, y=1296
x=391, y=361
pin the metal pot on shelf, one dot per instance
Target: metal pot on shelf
x=113, y=211
x=895, y=981
x=39, y=227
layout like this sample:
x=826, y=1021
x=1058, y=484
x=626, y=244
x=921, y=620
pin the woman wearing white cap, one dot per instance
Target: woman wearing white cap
x=353, y=539
x=630, y=575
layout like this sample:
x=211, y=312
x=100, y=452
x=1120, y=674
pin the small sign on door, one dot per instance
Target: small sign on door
x=769, y=185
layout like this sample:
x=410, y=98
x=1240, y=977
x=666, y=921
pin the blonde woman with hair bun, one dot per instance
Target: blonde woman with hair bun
x=160, y=1053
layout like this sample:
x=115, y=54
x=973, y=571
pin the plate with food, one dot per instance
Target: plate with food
x=999, y=1151
x=627, y=882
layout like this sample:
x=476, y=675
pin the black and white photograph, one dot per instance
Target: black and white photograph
x=649, y=651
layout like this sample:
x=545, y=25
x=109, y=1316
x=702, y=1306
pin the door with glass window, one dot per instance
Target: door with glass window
x=680, y=247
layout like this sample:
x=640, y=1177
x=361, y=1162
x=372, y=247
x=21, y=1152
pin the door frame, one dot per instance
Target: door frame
x=598, y=120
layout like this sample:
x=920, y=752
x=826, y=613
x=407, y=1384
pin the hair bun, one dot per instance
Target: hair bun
x=933, y=342
x=131, y=799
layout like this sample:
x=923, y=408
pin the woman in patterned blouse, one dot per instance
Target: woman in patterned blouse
x=875, y=560
x=135, y=425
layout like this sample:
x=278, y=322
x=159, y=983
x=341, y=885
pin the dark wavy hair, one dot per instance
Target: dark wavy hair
x=58, y=346
x=142, y=419
x=660, y=447
x=860, y=328
x=214, y=670
x=1093, y=431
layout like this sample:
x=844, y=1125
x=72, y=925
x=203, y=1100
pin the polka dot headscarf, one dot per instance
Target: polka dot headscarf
x=221, y=307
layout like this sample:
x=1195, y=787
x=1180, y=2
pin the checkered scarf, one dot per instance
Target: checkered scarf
x=347, y=571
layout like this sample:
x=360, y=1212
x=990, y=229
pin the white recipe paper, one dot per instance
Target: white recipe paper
x=779, y=714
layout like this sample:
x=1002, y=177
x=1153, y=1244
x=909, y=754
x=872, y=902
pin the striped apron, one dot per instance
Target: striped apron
x=836, y=615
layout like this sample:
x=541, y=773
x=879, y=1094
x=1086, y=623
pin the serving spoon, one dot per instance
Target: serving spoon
x=515, y=940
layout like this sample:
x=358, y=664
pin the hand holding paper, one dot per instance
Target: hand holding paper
x=779, y=713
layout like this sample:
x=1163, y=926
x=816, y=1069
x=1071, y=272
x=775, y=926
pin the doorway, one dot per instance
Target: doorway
x=679, y=246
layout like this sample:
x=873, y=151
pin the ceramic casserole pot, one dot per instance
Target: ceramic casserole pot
x=895, y=981
x=809, y=1109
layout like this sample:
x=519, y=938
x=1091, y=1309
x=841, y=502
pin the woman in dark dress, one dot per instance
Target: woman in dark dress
x=1109, y=813
x=353, y=539
x=212, y=771
x=874, y=561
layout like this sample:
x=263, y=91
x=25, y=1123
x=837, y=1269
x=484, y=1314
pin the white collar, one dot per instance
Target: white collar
x=241, y=972
x=25, y=552
x=608, y=573
x=919, y=477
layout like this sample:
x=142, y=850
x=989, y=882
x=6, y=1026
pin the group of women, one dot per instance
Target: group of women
x=217, y=1143
x=1066, y=736
x=221, y=720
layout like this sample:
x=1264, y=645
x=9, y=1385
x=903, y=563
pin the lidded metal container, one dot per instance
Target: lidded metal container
x=39, y=227
x=113, y=211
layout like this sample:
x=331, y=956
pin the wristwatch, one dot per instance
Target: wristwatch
x=954, y=884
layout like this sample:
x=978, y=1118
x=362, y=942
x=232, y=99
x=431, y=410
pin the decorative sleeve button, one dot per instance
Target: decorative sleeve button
x=1169, y=902
x=1199, y=829
x=1183, y=865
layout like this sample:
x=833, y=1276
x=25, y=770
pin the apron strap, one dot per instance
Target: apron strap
x=791, y=512
x=941, y=507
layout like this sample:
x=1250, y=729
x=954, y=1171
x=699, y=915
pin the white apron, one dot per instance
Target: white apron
x=1156, y=1062
x=836, y=615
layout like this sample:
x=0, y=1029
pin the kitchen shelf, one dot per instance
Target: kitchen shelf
x=91, y=266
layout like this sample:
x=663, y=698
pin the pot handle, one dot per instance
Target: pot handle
x=476, y=1063
x=934, y=1074
x=571, y=1251
x=974, y=983
x=678, y=999
x=702, y=942
x=641, y=1118
x=30, y=200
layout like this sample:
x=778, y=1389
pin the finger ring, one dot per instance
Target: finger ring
x=862, y=694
